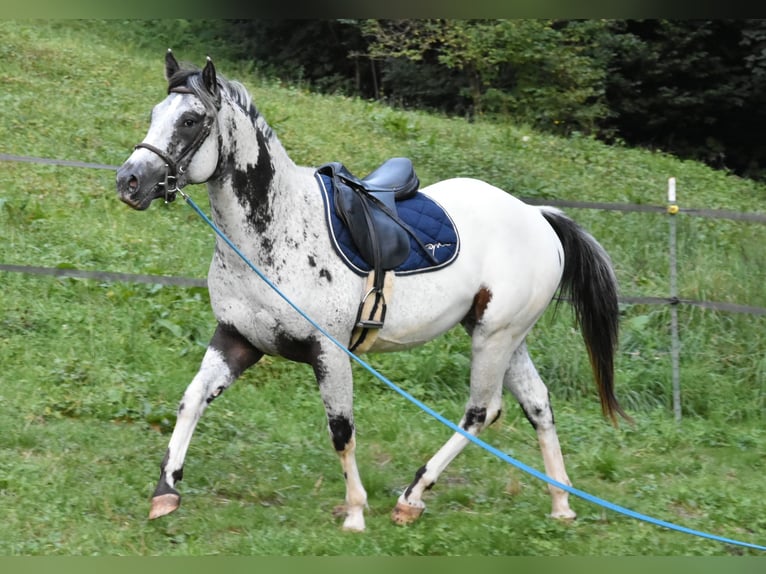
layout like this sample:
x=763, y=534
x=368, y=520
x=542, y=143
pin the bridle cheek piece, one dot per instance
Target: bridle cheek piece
x=174, y=169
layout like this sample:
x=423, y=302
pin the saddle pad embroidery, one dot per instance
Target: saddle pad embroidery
x=433, y=226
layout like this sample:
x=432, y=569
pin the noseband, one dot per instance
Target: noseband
x=174, y=169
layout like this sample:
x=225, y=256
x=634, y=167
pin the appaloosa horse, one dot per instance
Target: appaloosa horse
x=505, y=262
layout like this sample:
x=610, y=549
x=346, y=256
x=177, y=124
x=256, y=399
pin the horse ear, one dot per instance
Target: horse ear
x=171, y=65
x=209, y=77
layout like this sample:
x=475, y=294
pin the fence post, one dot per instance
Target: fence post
x=674, y=340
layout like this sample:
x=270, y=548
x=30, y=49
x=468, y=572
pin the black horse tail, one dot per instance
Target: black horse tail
x=589, y=283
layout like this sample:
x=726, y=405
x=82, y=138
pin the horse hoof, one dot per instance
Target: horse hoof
x=164, y=504
x=353, y=524
x=403, y=513
x=565, y=516
x=354, y=520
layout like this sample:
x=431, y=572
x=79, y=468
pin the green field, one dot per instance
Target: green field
x=92, y=371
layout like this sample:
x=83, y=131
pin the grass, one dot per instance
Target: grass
x=92, y=372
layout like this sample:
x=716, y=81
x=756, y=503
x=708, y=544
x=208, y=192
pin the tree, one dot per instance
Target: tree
x=694, y=88
x=539, y=71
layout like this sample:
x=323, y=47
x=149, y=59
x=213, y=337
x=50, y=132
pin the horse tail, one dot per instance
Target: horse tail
x=589, y=282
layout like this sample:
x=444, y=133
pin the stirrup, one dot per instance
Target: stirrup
x=371, y=323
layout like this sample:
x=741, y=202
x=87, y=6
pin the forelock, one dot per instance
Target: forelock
x=191, y=78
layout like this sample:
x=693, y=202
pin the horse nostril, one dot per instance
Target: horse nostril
x=133, y=183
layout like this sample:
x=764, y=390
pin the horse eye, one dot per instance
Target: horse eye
x=189, y=123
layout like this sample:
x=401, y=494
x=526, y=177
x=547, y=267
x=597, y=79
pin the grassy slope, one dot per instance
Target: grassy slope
x=92, y=372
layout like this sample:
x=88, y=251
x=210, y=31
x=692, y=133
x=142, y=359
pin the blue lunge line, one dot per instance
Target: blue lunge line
x=501, y=455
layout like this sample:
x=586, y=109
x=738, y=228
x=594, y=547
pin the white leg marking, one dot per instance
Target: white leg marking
x=554, y=467
x=356, y=496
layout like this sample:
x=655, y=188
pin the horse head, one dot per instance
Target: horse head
x=180, y=147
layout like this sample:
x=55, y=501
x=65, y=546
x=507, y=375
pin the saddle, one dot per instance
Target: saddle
x=367, y=207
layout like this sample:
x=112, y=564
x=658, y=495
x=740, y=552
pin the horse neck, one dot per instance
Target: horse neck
x=258, y=188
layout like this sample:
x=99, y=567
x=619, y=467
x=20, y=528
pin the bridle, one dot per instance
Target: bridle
x=174, y=169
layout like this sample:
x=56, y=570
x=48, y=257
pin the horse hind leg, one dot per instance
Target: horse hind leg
x=483, y=408
x=410, y=506
x=227, y=356
x=524, y=382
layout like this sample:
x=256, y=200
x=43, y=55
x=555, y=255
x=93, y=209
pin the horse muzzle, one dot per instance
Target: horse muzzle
x=139, y=187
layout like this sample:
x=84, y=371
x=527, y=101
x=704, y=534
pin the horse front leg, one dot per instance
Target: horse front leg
x=334, y=376
x=226, y=358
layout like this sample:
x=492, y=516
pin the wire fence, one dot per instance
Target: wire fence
x=672, y=300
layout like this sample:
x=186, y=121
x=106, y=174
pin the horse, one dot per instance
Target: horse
x=514, y=261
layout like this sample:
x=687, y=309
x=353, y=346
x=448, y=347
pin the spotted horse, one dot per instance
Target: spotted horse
x=513, y=260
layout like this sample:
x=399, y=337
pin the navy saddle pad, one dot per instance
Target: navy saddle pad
x=431, y=223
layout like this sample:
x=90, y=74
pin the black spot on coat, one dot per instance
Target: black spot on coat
x=474, y=416
x=418, y=475
x=237, y=351
x=252, y=186
x=341, y=431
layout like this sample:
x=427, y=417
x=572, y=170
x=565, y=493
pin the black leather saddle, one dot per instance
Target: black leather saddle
x=367, y=207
